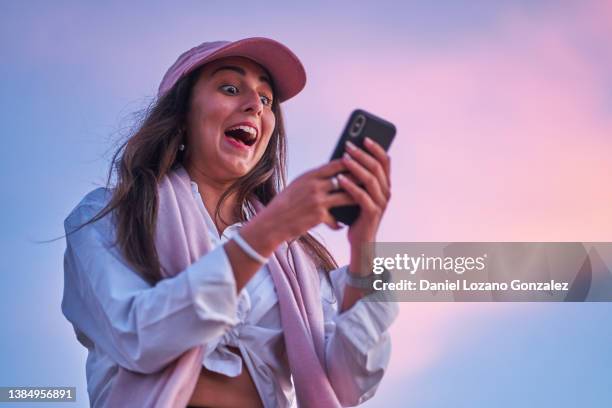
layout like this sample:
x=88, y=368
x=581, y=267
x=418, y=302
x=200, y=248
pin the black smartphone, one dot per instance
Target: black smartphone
x=361, y=124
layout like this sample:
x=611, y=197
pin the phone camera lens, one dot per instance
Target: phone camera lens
x=357, y=125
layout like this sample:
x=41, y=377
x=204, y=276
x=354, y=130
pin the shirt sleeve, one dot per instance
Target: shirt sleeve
x=357, y=344
x=141, y=327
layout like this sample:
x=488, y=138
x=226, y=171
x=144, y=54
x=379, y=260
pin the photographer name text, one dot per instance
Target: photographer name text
x=465, y=285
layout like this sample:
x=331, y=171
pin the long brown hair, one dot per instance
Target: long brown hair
x=153, y=150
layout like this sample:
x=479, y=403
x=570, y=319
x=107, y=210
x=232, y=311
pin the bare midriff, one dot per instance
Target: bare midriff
x=214, y=390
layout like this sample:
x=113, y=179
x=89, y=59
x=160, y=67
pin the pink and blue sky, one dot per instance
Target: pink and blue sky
x=504, y=118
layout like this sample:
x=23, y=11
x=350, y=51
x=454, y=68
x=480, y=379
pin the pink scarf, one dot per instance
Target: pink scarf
x=181, y=239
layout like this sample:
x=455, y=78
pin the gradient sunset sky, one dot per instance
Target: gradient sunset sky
x=504, y=118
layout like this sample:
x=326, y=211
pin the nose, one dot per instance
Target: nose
x=252, y=103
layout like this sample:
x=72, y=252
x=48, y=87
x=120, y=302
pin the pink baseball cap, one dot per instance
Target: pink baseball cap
x=283, y=65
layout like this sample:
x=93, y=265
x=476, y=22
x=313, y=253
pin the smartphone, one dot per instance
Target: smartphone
x=361, y=124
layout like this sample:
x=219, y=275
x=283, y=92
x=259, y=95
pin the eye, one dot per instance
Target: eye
x=230, y=89
x=265, y=100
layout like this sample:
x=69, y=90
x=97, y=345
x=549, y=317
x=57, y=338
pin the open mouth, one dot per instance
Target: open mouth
x=247, y=135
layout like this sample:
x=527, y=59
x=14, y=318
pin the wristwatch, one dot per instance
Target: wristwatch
x=364, y=282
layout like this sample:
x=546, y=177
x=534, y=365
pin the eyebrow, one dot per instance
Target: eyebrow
x=242, y=72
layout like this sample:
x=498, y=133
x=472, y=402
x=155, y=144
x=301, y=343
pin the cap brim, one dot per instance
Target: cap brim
x=281, y=63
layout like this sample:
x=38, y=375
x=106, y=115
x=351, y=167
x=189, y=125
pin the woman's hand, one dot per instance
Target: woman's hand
x=374, y=173
x=304, y=204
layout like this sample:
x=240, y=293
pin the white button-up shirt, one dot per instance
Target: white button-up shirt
x=122, y=320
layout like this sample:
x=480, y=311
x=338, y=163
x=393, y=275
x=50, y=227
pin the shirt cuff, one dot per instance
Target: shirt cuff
x=213, y=287
x=366, y=321
x=364, y=324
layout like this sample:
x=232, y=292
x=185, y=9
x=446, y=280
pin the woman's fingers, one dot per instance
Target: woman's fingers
x=377, y=164
x=329, y=169
x=359, y=195
x=371, y=182
x=336, y=184
x=339, y=199
x=381, y=155
x=336, y=200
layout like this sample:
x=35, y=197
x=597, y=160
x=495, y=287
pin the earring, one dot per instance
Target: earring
x=181, y=147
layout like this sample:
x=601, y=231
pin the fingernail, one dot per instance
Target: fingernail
x=347, y=156
x=350, y=145
x=368, y=141
x=341, y=177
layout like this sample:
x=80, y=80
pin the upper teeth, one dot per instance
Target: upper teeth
x=251, y=130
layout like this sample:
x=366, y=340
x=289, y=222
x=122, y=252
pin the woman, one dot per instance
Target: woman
x=194, y=281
